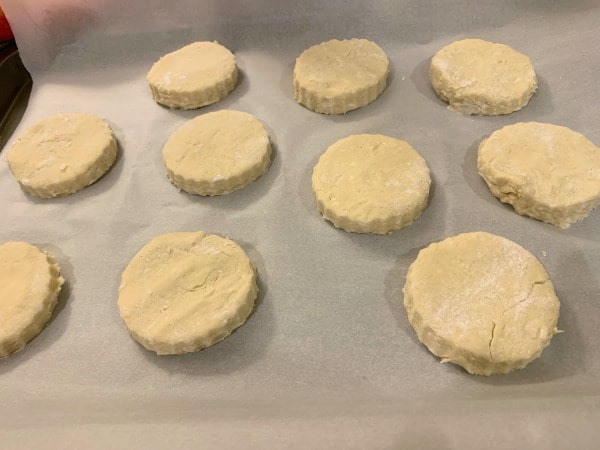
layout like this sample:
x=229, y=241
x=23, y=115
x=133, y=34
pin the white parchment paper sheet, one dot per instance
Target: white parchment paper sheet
x=328, y=359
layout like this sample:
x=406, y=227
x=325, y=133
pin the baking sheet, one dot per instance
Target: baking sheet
x=328, y=358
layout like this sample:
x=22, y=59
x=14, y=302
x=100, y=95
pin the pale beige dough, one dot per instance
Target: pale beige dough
x=217, y=153
x=370, y=183
x=183, y=292
x=62, y=154
x=29, y=285
x=480, y=77
x=482, y=302
x=196, y=75
x=545, y=171
x=335, y=77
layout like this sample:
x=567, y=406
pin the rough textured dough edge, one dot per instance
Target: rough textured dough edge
x=167, y=95
x=481, y=103
x=201, y=342
x=93, y=173
x=344, y=102
x=471, y=362
x=14, y=343
x=510, y=189
x=378, y=225
x=222, y=185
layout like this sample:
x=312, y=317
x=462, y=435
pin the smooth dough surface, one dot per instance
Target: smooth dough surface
x=545, y=171
x=335, y=77
x=183, y=292
x=196, y=75
x=480, y=77
x=482, y=302
x=370, y=183
x=62, y=154
x=217, y=153
x=29, y=285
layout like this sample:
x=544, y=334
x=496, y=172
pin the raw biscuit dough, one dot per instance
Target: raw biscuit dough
x=62, y=154
x=481, y=301
x=335, y=77
x=185, y=291
x=370, y=183
x=196, y=75
x=29, y=284
x=481, y=77
x=217, y=153
x=547, y=172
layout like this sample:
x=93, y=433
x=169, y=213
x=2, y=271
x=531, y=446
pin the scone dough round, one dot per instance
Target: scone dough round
x=196, y=75
x=29, y=283
x=370, y=183
x=545, y=171
x=335, y=77
x=480, y=77
x=482, y=302
x=62, y=154
x=217, y=153
x=183, y=292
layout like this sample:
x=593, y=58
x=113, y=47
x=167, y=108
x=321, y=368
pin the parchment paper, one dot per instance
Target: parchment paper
x=328, y=358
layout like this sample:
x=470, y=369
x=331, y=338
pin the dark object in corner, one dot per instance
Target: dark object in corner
x=15, y=87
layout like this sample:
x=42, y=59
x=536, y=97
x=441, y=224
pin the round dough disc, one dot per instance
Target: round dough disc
x=185, y=291
x=62, y=154
x=370, y=183
x=196, y=75
x=482, y=302
x=480, y=77
x=335, y=77
x=547, y=172
x=217, y=153
x=30, y=282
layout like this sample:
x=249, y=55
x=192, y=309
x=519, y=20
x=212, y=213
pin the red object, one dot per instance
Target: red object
x=6, y=33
